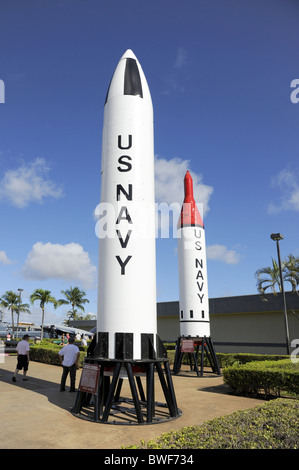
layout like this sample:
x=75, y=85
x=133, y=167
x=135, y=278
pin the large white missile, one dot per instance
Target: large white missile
x=193, y=282
x=127, y=260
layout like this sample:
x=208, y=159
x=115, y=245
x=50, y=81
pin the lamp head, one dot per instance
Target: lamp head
x=276, y=236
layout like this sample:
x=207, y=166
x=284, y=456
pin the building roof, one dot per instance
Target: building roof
x=222, y=305
x=238, y=304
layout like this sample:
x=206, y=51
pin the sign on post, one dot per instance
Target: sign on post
x=89, y=378
x=187, y=346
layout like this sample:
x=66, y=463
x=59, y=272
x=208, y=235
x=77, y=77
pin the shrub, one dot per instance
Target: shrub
x=48, y=354
x=269, y=377
x=273, y=425
x=225, y=359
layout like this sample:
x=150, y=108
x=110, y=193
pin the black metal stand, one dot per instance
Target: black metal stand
x=105, y=404
x=206, y=346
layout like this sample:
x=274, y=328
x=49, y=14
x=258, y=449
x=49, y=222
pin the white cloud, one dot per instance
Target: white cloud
x=28, y=183
x=287, y=182
x=175, y=79
x=54, y=261
x=169, y=183
x=169, y=192
x=4, y=258
x=221, y=253
x=180, y=58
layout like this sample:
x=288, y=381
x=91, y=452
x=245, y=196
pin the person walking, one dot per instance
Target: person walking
x=23, y=358
x=69, y=356
x=78, y=337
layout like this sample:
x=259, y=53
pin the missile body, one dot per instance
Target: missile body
x=127, y=260
x=193, y=283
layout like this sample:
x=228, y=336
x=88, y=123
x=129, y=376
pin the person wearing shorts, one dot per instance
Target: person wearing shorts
x=23, y=358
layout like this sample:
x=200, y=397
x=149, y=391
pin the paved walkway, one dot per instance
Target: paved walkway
x=36, y=415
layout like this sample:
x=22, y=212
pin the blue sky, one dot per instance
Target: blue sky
x=220, y=75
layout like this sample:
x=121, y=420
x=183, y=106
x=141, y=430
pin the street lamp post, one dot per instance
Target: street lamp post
x=276, y=237
x=20, y=291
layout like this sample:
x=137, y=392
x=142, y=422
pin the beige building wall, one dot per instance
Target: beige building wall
x=169, y=328
x=238, y=324
x=258, y=333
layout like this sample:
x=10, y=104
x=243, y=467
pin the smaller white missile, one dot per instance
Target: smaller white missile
x=193, y=282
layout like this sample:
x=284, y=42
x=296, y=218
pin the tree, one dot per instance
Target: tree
x=11, y=301
x=76, y=298
x=74, y=315
x=292, y=271
x=44, y=297
x=269, y=277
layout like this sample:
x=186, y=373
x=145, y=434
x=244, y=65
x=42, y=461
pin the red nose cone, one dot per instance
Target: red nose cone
x=189, y=213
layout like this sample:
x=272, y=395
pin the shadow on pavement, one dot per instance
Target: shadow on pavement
x=51, y=390
x=221, y=388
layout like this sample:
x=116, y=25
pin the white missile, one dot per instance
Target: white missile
x=127, y=259
x=193, y=282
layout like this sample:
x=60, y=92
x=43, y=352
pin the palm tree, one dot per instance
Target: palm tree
x=292, y=271
x=269, y=277
x=11, y=301
x=74, y=315
x=272, y=278
x=75, y=298
x=44, y=297
x=71, y=315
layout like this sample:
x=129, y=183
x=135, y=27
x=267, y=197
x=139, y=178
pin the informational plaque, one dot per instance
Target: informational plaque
x=187, y=346
x=89, y=378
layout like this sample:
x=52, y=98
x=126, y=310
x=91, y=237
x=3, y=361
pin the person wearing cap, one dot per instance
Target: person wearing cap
x=23, y=358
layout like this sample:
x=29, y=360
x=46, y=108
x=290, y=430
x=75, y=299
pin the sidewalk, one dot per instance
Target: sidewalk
x=36, y=415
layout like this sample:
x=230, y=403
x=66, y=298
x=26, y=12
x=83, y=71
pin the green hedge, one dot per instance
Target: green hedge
x=224, y=359
x=49, y=354
x=228, y=359
x=268, y=377
x=273, y=425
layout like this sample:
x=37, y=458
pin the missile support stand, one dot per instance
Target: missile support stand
x=103, y=403
x=204, y=345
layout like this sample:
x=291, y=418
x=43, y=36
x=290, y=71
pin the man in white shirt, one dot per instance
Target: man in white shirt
x=23, y=358
x=69, y=356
